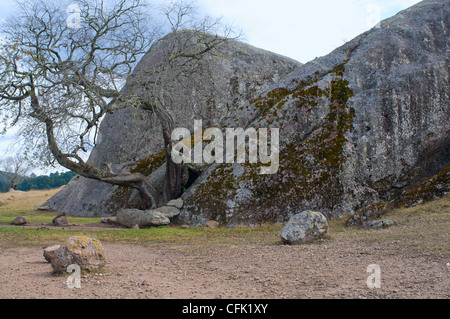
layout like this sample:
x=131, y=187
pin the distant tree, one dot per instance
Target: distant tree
x=54, y=180
x=58, y=79
x=14, y=169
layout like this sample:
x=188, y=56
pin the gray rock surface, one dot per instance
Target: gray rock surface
x=304, y=227
x=224, y=82
x=132, y=217
x=168, y=211
x=178, y=203
x=361, y=125
x=376, y=224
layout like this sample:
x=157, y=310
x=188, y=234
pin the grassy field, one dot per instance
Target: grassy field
x=423, y=229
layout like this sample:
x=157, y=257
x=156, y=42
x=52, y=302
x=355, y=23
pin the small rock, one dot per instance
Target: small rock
x=375, y=224
x=2, y=202
x=168, y=211
x=19, y=221
x=212, y=224
x=88, y=253
x=50, y=252
x=304, y=227
x=178, y=203
x=60, y=220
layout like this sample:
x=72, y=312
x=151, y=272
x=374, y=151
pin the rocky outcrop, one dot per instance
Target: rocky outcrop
x=358, y=126
x=19, y=221
x=131, y=138
x=366, y=123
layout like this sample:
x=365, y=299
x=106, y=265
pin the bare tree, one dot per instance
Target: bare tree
x=58, y=81
x=14, y=169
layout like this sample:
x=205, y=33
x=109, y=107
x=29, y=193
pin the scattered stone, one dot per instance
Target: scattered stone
x=60, y=220
x=19, y=221
x=169, y=211
x=361, y=217
x=178, y=203
x=88, y=253
x=304, y=227
x=131, y=217
x=212, y=224
x=50, y=252
x=375, y=224
x=135, y=227
x=2, y=202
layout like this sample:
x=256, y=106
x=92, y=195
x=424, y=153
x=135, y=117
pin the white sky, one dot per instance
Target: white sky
x=299, y=29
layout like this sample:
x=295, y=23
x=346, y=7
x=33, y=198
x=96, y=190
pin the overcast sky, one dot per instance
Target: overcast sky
x=299, y=29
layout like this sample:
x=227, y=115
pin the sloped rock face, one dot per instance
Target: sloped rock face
x=361, y=125
x=367, y=123
x=132, y=138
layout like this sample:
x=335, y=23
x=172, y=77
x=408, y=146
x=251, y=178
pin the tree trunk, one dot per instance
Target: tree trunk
x=173, y=178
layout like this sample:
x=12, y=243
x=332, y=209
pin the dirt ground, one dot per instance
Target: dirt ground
x=336, y=269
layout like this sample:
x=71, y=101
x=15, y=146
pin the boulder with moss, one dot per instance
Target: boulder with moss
x=355, y=126
x=366, y=123
x=87, y=253
x=223, y=83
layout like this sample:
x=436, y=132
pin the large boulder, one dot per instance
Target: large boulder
x=304, y=227
x=364, y=124
x=223, y=82
x=87, y=253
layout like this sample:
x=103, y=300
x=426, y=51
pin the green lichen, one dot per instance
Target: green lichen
x=150, y=164
x=212, y=196
x=146, y=167
x=308, y=169
x=426, y=190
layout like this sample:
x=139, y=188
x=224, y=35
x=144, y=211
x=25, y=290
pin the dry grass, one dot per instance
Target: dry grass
x=17, y=202
x=423, y=229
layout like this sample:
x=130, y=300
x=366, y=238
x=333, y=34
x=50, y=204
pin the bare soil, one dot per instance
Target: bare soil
x=330, y=269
